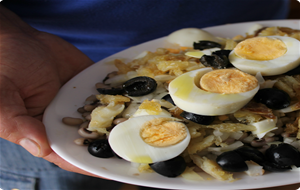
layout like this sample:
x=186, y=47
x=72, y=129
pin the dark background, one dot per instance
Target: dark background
x=294, y=10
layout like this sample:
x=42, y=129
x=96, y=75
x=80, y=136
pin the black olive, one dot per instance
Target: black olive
x=215, y=61
x=110, y=91
x=232, y=161
x=223, y=54
x=106, y=89
x=283, y=155
x=139, y=86
x=273, y=98
x=200, y=119
x=250, y=153
x=201, y=45
x=168, y=98
x=295, y=71
x=271, y=167
x=100, y=148
x=170, y=168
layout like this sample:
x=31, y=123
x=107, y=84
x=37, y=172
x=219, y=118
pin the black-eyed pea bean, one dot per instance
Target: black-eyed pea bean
x=88, y=134
x=271, y=139
x=91, y=99
x=278, y=131
x=264, y=148
x=85, y=114
x=119, y=120
x=72, y=121
x=89, y=108
x=81, y=110
x=101, y=85
x=243, y=136
x=88, y=117
x=84, y=124
x=229, y=140
x=258, y=143
x=286, y=134
x=82, y=141
x=248, y=139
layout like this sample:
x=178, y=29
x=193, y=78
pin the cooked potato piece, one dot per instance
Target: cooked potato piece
x=230, y=44
x=290, y=85
x=197, y=146
x=280, y=31
x=212, y=168
x=195, y=130
x=254, y=169
x=247, y=116
x=190, y=174
x=102, y=116
x=112, y=99
x=231, y=127
x=122, y=67
x=290, y=128
x=258, y=109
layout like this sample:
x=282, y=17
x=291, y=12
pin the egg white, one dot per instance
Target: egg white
x=280, y=65
x=125, y=141
x=187, y=36
x=264, y=126
x=189, y=97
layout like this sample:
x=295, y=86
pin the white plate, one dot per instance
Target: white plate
x=72, y=96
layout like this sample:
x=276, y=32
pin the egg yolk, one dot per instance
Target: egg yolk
x=228, y=81
x=260, y=48
x=196, y=54
x=152, y=108
x=162, y=132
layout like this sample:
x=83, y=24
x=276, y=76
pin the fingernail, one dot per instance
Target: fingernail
x=30, y=146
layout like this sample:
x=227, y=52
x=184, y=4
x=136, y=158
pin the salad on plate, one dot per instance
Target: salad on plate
x=200, y=107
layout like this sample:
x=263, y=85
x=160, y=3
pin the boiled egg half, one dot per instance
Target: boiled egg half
x=213, y=92
x=149, y=139
x=272, y=55
x=187, y=36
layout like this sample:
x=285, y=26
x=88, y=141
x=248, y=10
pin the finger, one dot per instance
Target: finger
x=65, y=53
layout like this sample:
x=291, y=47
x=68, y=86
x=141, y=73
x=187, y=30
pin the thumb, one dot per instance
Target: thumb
x=30, y=134
x=18, y=127
x=31, y=146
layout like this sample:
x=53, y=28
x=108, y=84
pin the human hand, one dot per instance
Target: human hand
x=33, y=67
